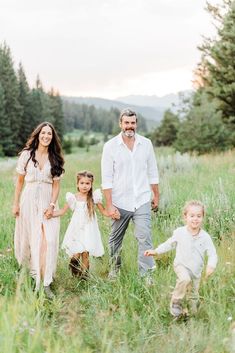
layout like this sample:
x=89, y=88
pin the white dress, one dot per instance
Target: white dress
x=83, y=232
x=35, y=198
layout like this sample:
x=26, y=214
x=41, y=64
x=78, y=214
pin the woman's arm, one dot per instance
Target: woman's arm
x=54, y=196
x=18, y=189
x=61, y=211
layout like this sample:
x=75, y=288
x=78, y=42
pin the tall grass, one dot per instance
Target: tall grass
x=126, y=315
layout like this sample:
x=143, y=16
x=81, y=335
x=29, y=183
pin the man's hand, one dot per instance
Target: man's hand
x=154, y=204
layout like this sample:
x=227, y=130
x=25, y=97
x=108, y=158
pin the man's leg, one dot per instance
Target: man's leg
x=142, y=222
x=118, y=229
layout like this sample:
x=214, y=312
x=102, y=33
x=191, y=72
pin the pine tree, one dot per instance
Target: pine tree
x=10, y=87
x=57, y=112
x=202, y=129
x=217, y=67
x=5, y=129
x=27, y=122
x=166, y=133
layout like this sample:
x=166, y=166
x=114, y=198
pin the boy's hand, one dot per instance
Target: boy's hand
x=150, y=252
x=209, y=271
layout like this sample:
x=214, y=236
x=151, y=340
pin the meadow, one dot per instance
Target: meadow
x=126, y=315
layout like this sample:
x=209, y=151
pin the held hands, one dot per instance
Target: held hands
x=150, y=252
x=113, y=212
x=48, y=213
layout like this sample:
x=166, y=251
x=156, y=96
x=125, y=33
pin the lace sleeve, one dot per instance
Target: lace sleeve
x=97, y=196
x=21, y=163
x=71, y=200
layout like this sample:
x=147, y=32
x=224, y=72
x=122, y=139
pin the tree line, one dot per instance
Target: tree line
x=205, y=121
x=89, y=118
x=22, y=108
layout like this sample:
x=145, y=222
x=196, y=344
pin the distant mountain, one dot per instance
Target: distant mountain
x=156, y=102
x=149, y=113
x=151, y=107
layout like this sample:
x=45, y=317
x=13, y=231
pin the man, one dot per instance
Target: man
x=129, y=176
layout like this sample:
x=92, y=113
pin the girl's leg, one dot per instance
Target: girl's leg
x=85, y=264
x=75, y=265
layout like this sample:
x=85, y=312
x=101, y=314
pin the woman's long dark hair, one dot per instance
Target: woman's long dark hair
x=54, y=149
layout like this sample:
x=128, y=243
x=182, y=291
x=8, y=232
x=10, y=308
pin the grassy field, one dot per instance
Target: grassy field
x=126, y=316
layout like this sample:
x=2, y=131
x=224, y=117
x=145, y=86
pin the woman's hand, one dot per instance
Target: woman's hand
x=16, y=210
x=48, y=213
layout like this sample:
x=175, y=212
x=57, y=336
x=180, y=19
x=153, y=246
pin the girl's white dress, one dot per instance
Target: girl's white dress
x=83, y=232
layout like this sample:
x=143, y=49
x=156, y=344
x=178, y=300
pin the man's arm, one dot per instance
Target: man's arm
x=107, y=181
x=153, y=176
x=155, y=199
x=111, y=209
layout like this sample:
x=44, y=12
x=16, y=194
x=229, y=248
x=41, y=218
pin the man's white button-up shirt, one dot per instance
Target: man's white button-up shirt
x=129, y=173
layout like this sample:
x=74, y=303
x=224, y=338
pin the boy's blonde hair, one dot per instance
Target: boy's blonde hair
x=193, y=203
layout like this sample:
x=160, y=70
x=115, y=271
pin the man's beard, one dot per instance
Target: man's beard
x=128, y=133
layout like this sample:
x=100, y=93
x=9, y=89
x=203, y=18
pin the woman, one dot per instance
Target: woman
x=40, y=166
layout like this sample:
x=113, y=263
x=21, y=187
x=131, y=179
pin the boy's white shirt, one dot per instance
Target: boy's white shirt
x=190, y=250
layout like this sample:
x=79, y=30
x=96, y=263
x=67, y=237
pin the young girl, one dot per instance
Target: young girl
x=82, y=237
x=192, y=243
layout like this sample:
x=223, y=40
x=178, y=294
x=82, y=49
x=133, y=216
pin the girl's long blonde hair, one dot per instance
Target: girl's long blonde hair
x=90, y=201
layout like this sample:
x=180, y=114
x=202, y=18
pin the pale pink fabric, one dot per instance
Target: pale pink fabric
x=31, y=222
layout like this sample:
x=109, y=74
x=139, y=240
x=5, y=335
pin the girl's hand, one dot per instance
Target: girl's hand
x=16, y=210
x=150, y=252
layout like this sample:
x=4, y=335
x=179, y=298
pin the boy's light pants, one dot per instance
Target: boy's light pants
x=185, y=282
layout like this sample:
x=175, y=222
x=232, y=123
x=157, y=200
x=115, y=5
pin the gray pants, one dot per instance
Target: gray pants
x=142, y=221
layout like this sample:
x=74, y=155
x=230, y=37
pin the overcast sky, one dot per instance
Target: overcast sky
x=106, y=48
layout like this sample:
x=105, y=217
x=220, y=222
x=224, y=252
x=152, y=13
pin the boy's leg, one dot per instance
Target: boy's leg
x=194, y=295
x=180, y=290
x=142, y=222
x=118, y=229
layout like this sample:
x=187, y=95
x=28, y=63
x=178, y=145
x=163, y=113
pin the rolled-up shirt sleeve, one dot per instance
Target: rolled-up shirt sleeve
x=152, y=167
x=107, y=168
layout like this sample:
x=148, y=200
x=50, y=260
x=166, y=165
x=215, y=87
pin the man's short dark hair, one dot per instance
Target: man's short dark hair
x=127, y=112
